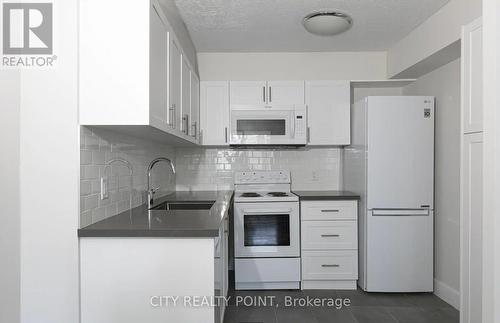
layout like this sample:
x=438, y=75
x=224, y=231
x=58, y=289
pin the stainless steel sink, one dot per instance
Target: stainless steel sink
x=185, y=206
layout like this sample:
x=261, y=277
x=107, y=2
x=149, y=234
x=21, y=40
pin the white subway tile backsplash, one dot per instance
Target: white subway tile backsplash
x=85, y=187
x=206, y=169
x=98, y=157
x=85, y=157
x=98, y=214
x=89, y=202
x=85, y=218
x=197, y=169
x=100, y=146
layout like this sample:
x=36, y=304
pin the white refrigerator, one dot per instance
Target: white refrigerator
x=390, y=163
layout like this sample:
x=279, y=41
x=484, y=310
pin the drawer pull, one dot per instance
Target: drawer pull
x=330, y=235
x=329, y=266
x=329, y=211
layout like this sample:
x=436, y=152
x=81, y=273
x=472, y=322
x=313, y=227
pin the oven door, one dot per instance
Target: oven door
x=262, y=127
x=267, y=229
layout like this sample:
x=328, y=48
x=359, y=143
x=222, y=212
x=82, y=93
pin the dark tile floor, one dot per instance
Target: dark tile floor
x=363, y=308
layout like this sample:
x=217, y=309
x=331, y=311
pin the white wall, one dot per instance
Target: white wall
x=293, y=66
x=444, y=84
x=437, y=32
x=49, y=168
x=9, y=191
x=491, y=208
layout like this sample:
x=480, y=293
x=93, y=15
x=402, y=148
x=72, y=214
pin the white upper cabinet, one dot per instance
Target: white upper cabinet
x=186, y=97
x=472, y=76
x=159, y=69
x=214, y=113
x=175, y=85
x=266, y=93
x=282, y=93
x=328, y=112
x=195, y=106
x=248, y=93
x=131, y=73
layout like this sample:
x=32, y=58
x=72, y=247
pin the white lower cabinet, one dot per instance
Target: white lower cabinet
x=221, y=278
x=329, y=242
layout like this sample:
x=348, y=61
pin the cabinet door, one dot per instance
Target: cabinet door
x=186, y=96
x=158, y=104
x=472, y=77
x=252, y=93
x=214, y=113
x=328, y=112
x=195, y=106
x=175, y=84
x=281, y=93
x=472, y=222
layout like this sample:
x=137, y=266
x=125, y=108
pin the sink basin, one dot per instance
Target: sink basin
x=185, y=206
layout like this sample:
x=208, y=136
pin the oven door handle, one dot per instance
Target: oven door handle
x=258, y=211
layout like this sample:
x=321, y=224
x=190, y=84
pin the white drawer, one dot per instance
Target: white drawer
x=329, y=210
x=329, y=235
x=330, y=265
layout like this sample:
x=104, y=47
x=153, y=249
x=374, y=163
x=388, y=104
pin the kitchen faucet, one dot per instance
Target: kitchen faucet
x=152, y=191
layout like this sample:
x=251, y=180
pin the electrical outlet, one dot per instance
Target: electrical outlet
x=104, y=188
x=315, y=177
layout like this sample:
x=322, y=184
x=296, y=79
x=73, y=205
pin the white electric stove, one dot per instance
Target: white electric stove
x=266, y=231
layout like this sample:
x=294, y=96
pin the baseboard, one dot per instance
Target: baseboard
x=447, y=294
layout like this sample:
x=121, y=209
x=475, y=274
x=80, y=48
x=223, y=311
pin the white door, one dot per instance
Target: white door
x=399, y=255
x=285, y=93
x=175, y=84
x=186, y=96
x=471, y=227
x=158, y=70
x=214, y=113
x=195, y=106
x=472, y=70
x=248, y=93
x=400, y=139
x=328, y=111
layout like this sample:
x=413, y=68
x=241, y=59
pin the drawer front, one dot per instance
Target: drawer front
x=330, y=265
x=329, y=235
x=329, y=210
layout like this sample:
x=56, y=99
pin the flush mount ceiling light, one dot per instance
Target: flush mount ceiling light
x=327, y=23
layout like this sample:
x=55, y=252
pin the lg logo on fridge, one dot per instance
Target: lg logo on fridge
x=27, y=34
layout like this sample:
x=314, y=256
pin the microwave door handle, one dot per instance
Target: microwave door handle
x=256, y=211
x=292, y=126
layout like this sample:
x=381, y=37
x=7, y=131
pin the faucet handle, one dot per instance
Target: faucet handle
x=153, y=190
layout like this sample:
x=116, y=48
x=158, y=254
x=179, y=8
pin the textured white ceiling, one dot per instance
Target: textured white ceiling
x=276, y=25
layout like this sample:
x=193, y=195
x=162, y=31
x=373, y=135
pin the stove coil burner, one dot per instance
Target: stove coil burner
x=277, y=194
x=250, y=194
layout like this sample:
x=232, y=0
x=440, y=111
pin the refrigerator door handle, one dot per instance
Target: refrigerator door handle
x=400, y=212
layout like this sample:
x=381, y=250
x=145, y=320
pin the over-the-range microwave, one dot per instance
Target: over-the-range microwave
x=268, y=125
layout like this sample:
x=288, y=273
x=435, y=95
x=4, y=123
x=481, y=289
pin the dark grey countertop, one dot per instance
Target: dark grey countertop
x=326, y=195
x=141, y=222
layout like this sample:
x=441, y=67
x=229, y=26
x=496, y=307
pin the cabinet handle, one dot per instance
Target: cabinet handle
x=225, y=134
x=264, y=94
x=270, y=95
x=194, y=129
x=330, y=235
x=329, y=211
x=329, y=266
x=185, y=124
x=172, y=115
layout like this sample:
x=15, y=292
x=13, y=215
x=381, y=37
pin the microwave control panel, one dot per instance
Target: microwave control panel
x=300, y=123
